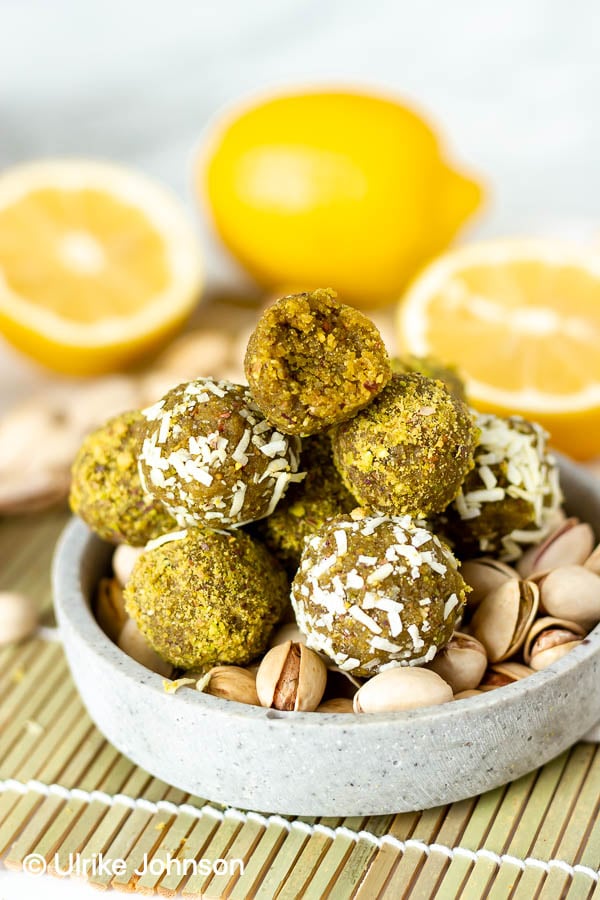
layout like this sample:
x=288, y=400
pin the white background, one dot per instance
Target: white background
x=514, y=85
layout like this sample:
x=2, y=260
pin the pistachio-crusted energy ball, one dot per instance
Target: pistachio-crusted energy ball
x=377, y=592
x=306, y=506
x=410, y=450
x=312, y=362
x=431, y=368
x=200, y=597
x=209, y=455
x=106, y=491
x=510, y=498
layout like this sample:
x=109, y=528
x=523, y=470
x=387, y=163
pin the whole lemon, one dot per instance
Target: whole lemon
x=332, y=188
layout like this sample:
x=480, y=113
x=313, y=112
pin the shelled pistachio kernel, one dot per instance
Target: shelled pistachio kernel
x=291, y=677
x=402, y=688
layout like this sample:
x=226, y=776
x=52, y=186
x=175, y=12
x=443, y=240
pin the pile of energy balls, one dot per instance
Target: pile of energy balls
x=357, y=478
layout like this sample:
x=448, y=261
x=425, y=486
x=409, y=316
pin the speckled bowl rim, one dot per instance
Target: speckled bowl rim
x=77, y=541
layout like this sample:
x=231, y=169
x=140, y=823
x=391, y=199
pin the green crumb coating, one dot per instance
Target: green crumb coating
x=377, y=592
x=431, y=368
x=106, y=491
x=509, y=500
x=313, y=362
x=306, y=506
x=410, y=450
x=205, y=597
x=211, y=458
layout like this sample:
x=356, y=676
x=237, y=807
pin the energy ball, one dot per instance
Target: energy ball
x=306, y=506
x=410, y=450
x=202, y=597
x=106, y=491
x=208, y=454
x=431, y=368
x=312, y=362
x=377, y=592
x=510, y=498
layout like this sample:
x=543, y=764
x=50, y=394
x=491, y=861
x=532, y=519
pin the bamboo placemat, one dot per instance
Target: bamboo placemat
x=64, y=790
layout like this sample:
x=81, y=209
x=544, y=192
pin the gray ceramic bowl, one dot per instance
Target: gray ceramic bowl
x=322, y=764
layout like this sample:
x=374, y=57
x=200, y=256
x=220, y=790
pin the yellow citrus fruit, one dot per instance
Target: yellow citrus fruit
x=336, y=189
x=521, y=318
x=98, y=265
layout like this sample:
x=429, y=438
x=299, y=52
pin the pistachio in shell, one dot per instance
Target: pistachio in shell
x=502, y=674
x=110, y=608
x=572, y=593
x=483, y=576
x=464, y=695
x=461, y=663
x=18, y=617
x=549, y=624
x=291, y=677
x=231, y=683
x=123, y=561
x=593, y=561
x=570, y=544
x=336, y=705
x=133, y=643
x=503, y=618
x=402, y=688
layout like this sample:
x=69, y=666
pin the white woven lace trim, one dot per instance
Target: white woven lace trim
x=197, y=812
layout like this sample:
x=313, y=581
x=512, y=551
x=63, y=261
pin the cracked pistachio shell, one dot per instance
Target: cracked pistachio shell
x=132, y=642
x=336, y=705
x=550, y=623
x=461, y=663
x=545, y=656
x=18, y=617
x=572, y=593
x=123, y=561
x=483, y=576
x=232, y=683
x=110, y=608
x=502, y=620
x=501, y=674
x=291, y=677
x=571, y=544
x=402, y=688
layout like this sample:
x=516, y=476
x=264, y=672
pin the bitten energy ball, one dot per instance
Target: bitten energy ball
x=312, y=362
x=410, y=450
x=306, y=506
x=377, y=592
x=210, y=457
x=511, y=497
x=106, y=491
x=200, y=597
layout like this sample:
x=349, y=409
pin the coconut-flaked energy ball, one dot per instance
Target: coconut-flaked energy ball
x=106, y=491
x=312, y=362
x=377, y=592
x=208, y=454
x=200, y=597
x=510, y=499
x=410, y=450
x=306, y=506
